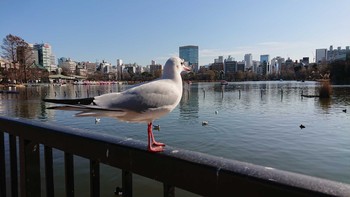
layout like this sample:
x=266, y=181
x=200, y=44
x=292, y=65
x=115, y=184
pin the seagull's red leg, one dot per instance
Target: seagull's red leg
x=151, y=142
x=154, y=142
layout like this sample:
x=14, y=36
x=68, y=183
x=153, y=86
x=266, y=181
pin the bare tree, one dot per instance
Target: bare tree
x=9, y=48
x=26, y=60
x=19, y=53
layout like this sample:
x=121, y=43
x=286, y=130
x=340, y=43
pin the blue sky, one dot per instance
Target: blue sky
x=144, y=30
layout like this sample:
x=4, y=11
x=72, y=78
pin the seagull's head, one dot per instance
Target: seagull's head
x=174, y=66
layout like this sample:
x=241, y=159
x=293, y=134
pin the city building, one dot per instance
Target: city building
x=130, y=69
x=305, y=61
x=45, y=55
x=119, y=62
x=146, y=69
x=139, y=69
x=218, y=64
x=289, y=62
x=105, y=67
x=81, y=69
x=241, y=66
x=61, y=60
x=248, y=59
x=120, y=67
x=265, y=64
x=68, y=67
x=155, y=68
x=90, y=68
x=4, y=63
x=321, y=55
x=230, y=65
x=230, y=58
x=220, y=59
x=190, y=54
x=276, y=64
x=337, y=54
x=255, y=66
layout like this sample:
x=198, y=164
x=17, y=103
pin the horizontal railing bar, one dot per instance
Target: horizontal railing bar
x=196, y=172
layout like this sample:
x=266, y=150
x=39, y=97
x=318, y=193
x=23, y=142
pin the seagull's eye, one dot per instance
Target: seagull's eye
x=182, y=63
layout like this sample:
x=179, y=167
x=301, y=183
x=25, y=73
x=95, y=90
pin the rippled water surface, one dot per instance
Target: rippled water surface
x=256, y=122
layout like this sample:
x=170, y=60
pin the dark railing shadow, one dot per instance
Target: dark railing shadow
x=192, y=171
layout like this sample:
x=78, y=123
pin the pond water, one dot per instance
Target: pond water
x=255, y=122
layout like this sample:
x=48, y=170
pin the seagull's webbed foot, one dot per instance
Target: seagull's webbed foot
x=153, y=145
x=155, y=148
x=158, y=143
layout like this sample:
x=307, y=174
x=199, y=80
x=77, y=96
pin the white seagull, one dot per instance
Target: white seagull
x=142, y=104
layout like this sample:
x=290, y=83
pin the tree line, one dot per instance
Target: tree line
x=19, y=65
x=22, y=68
x=338, y=72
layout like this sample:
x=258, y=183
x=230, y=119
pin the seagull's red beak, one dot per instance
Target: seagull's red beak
x=186, y=68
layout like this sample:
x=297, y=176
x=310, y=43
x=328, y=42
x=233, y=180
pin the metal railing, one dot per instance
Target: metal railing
x=192, y=171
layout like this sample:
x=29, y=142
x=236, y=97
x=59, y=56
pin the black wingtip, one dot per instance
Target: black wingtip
x=82, y=101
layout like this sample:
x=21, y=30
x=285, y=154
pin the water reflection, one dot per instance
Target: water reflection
x=189, y=105
x=325, y=104
x=256, y=122
x=27, y=103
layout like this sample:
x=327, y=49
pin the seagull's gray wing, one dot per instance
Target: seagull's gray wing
x=156, y=94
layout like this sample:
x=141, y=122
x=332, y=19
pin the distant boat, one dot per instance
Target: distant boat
x=224, y=82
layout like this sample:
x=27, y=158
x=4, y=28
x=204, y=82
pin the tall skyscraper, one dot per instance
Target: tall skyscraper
x=120, y=67
x=248, y=59
x=46, y=58
x=276, y=64
x=190, y=54
x=119, y=62
x=265, y=64
x=321, y=55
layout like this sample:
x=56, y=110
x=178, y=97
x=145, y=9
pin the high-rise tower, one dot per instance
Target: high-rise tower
x=190, y=54
x=45, y=56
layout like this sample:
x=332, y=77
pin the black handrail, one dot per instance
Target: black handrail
x=192, y=171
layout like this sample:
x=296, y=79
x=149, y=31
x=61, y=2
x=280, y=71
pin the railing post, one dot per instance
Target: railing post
x=49, y=171
x=94, y=178
x=13, y=165
x=169, y=191
x=127, y=183
x=2, y=166
x=30, y=168
x=69, y=174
